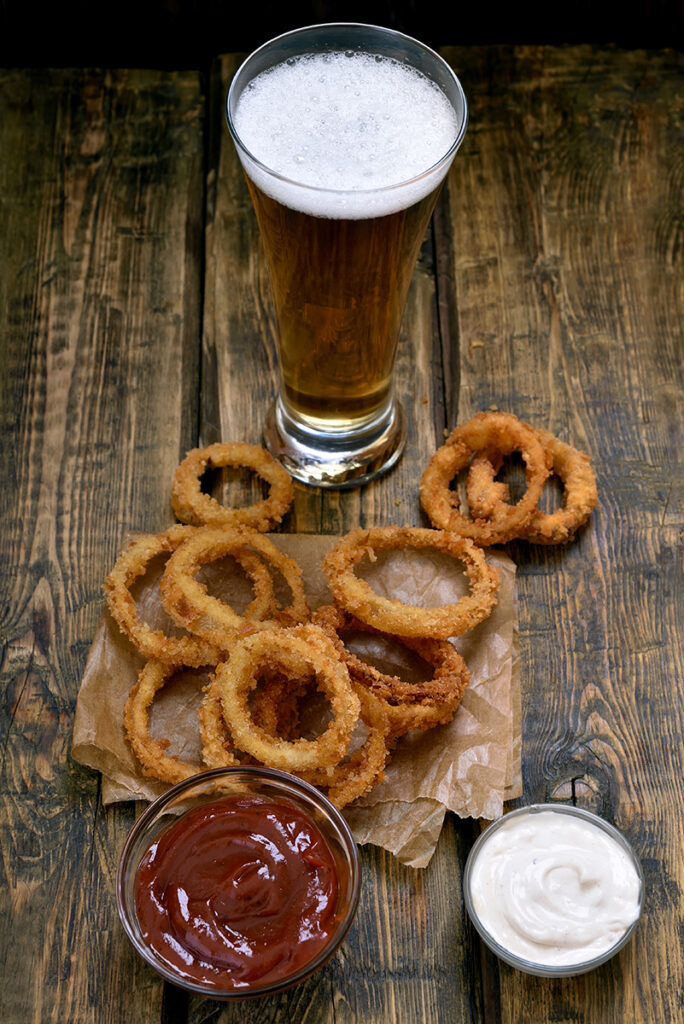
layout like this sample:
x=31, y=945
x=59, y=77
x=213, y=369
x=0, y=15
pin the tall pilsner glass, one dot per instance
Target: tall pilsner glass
x=345, y=133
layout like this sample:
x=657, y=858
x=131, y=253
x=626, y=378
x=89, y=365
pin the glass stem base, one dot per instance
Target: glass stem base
x=337, y=460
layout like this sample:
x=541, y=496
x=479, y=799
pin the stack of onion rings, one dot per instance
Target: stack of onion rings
x=266, y=662
x=493, y=430
x=181, y=650
x=274, y=709
x=479, y=446
x=190, y=605
x=571, y=466
x=292, y=651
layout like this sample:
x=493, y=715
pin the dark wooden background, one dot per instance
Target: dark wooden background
x=135, y=321
x=189, y=33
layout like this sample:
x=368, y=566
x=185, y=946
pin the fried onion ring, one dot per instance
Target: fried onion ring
x=153, y=643
x=295, y=652
x=191, y=505
x=274, y=709
x=408, y=705
x=485, y=431
x=392, y=616
x=483, y=491
x=275, y=705
x=156, y=763
x=216, y=742
x=188, y=602
x=580, y=496
x=365, y=767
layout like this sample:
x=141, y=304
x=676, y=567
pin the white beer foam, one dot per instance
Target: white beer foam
x=352, y=123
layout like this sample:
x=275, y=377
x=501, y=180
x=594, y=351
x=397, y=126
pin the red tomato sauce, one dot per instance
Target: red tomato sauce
x=236, y=892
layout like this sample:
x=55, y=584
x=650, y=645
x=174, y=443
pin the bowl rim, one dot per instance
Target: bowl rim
x=531, y=966
x=309, y=794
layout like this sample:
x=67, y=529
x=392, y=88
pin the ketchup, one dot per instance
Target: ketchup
x=236, y=892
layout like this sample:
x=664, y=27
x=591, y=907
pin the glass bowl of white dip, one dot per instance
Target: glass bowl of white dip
x=553, y=890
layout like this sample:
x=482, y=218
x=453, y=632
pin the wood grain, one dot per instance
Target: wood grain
x=565, y=226
x=551, y=285
x=100, y=214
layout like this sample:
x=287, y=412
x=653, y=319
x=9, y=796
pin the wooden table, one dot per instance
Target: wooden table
x=136, y=322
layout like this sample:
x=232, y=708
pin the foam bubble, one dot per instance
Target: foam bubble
x=352, y=123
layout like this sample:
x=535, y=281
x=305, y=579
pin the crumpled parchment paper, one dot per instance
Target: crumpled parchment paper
x=469, y=766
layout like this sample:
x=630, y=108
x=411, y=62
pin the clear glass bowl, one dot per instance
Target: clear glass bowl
x=527, y=966
x=205, y=788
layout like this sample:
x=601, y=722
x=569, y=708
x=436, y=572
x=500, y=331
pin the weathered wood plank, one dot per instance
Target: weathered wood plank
x=565, y=213
x=100, y=220
x=563, y=283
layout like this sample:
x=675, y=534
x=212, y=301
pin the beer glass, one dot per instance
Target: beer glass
x=345, y=133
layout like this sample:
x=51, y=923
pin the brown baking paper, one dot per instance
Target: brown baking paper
x=469, y=766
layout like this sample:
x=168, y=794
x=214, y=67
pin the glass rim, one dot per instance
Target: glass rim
x=309, y=794
x=383, y=189
x=532, y=966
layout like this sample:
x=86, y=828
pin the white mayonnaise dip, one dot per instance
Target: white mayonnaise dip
x=554, y=889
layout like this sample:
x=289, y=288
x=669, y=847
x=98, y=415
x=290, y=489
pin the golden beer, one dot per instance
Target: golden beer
x=339, y=288
x=345, y=133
